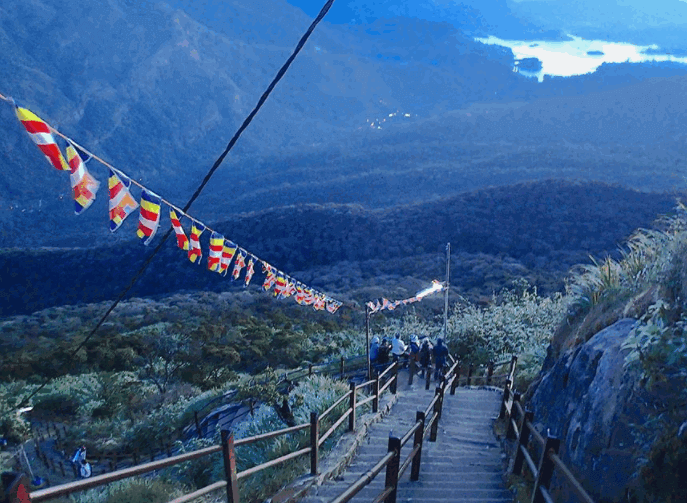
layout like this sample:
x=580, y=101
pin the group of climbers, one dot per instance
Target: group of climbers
x=422, y=352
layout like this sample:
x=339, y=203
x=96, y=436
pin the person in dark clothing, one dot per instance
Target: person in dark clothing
x=374, y=350
x=383, y=353
x=425, y=355
x=440, y=355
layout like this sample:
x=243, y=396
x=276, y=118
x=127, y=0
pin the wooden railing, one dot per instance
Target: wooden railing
x=426, y=423
x=387, y=380
x=521, y=429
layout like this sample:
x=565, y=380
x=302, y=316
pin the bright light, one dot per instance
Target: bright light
x=436, y=287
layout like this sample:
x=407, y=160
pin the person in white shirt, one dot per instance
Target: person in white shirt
x=398, y=347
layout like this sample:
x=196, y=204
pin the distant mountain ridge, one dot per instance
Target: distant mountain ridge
x=533, y=230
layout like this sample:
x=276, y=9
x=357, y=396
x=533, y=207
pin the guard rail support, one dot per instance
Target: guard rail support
x=392, y=468
x=351, y=417
x=230, y=466
x=546, y=466
x=523, y=441
x=314, y=442
x=417, y=442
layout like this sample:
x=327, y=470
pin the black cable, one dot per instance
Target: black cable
x=200, y=188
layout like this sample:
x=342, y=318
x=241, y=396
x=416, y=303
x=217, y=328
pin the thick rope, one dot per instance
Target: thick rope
x=205, y=181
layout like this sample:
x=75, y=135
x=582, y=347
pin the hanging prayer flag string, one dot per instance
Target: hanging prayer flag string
x=122, y=204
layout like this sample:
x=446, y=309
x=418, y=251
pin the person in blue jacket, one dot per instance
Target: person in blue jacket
x=374, y=350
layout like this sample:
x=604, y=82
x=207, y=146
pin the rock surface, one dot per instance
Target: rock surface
x=589, y=401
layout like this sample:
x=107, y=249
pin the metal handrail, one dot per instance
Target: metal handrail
x=386, y=370
x=571, y=478
x=333, y=406
x=269, y=464
x=529, y=461
x=410, y=433
x=334, y=426
x=366, y=383
x=408, y=460
x=82, y=485
x=536, y=434
x=271, y=434
x=431, y=405
x=387, y=384
x=364, y=479
x=200, y=492
x=365, y=400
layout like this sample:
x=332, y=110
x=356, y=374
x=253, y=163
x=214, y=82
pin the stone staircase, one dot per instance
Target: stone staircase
x=466, y=464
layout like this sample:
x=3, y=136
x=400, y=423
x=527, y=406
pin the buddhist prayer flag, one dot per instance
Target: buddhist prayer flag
x=239, y=263
x=121, y=202
x=289, y=289
x=195, y=253
x=149, y=219
x=280, y=285
x=42, y=137
x=319, y=303
x=227, y=254
x=182, y=240
x=309, y=297
x=250, y=270
x=215, y=255
x=300, y=294
x=333, y=305
x=270, y=276
x=84, y=185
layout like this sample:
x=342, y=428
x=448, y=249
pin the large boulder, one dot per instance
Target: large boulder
x=589, y=400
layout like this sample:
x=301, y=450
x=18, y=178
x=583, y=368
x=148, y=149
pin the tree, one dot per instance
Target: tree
x=164, y=354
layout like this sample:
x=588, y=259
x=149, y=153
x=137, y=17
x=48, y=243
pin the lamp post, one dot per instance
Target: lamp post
x=446, y=286
x=367, y=341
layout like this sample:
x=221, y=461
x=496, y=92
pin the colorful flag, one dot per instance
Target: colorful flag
x=319, y=303
x=84, y=185
x=386, y=304
x=250, y=270
x=121, y=202
x=280, y=284
x=239, y=263
x=216, y=248
x=40, y=133
x=149, y=219
x=195, y=253
x=309, y=298
x=182, y=240
x=373, y=307
x=270, y=276
x=333, y=305
x=228, y=252
x=300, y=294
x=289, y=289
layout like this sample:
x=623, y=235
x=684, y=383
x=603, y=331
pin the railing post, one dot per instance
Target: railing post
x=454, y=384
x=522, y=442
x=392, y=468
x=511, y=373
x=506, y=397
x=437, y=410
x=411, y=371
x=310, y=369
x=314, y=442
x=429, y=376
x=490, y=372
x=351, y=417
x=417, y=442
x=394, y=384
x=545, y=468
x=342, y=368
x=195, y=416
x=375, y=402
x=470, y=368
x=230, y=466
x=510, y=434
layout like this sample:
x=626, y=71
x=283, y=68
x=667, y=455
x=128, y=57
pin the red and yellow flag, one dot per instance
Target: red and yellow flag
x=84, y=185
x=121, y=202
x=195, y=253
x=182, y=240
x=42, y=137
